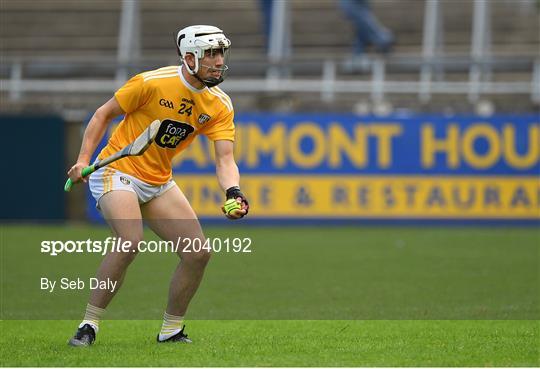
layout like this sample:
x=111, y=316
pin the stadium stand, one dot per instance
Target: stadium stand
x=61, y=39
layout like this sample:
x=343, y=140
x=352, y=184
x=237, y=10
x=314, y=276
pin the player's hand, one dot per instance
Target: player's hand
x=238, y=210
x=75, y=172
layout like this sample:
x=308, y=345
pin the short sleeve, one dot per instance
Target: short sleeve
x=223, y=129
x=132, y=95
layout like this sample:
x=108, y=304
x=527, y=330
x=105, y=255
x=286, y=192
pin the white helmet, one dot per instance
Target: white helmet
x=196, y=40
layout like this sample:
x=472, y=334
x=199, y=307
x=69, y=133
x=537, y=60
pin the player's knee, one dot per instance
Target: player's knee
x=200, y=258
x=127, y=254
x=203, y=258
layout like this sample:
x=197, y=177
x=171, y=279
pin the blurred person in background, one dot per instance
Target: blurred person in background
x=369, y=31
x=266, y=13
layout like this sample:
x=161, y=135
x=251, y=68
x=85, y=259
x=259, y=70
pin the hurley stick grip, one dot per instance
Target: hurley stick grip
x=84, y=173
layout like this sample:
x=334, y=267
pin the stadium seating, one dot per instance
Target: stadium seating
x=78, y=39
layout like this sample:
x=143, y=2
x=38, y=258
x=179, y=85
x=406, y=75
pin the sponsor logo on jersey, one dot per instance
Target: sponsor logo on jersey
x=171, y=133
x=124, y=180
x=166, y=103
x=203, y=118
x=189, y=101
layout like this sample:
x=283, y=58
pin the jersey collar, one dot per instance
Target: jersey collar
x=187, y=84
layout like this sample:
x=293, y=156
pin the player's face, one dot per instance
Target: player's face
x=213, y=63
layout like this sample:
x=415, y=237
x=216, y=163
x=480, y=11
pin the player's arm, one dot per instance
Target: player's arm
x=93, y=134
x=229, y=179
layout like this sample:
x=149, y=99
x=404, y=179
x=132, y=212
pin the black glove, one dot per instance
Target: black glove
x=235, y=193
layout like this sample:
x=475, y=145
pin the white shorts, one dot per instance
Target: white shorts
x=107, y=179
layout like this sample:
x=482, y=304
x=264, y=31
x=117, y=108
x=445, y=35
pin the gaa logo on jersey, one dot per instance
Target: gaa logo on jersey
x=124, y=180
x=203, y=118
x=171, y=133
x=166, y=103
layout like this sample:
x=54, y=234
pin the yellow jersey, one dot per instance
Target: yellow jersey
x=184, y=111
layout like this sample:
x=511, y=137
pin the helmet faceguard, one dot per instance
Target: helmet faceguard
x=201, y=41
x=213, y=81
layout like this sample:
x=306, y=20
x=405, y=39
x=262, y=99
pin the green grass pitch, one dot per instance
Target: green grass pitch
x=304, y=296
x=279, y=343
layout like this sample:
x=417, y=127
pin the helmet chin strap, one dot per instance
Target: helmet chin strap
x=212, y=81
x=193, y=71
x=209, y=82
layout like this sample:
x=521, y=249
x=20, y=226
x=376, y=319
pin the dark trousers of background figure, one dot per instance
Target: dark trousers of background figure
x=369, y=31
x=266, y=12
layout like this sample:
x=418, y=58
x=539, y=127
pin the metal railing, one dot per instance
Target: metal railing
x=329, y=83
x=428, y=69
